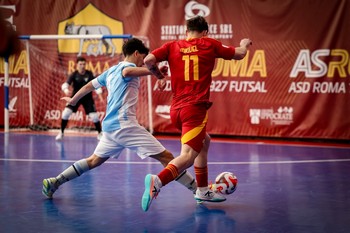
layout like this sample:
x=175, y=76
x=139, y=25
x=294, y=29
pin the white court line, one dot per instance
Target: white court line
x=213, y=163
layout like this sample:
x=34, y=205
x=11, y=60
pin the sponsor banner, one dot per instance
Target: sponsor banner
x=294, y=82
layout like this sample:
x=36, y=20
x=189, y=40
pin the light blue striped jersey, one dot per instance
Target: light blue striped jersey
x=122, y=97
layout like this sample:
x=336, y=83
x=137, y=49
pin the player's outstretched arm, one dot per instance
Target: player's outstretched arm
x=133, y=72
x=241, y=51
x=80, y=94
x=151, y=63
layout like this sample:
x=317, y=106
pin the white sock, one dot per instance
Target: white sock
x=187, y=180
x=158, y=182
x=203, y=189
x=75, y=170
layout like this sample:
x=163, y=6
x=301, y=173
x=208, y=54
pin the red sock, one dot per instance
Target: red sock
x=168, y=174
x=201, y=176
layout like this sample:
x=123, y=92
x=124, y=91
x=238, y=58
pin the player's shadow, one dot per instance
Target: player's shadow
x=204, y=220
x=70, y=221
x=60, y=149
x=208, y=220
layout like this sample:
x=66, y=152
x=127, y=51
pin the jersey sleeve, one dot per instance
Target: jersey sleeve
x=224, y=51
x=100, y=80
x=96, y=83
x=124, y=65
x=162, y=52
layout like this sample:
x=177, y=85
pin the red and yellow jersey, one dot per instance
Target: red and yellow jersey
x=191, y=63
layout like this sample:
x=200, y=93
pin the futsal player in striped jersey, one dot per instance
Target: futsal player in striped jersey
x=191, y=63
x=120, y=127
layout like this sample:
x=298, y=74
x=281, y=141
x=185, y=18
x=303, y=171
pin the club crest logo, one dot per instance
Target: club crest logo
x=90, y=21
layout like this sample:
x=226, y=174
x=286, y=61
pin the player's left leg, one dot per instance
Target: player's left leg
x=67, y=111
x=106, y=148
x=94, y=118
x=90, y=110
x=185, y=178
x=146, y=145
x=193, y=123
x=50, y=185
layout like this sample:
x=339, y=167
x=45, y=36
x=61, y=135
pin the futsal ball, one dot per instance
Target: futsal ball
x=225, y=183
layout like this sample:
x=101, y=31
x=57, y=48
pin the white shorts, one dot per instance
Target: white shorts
x=135, y=138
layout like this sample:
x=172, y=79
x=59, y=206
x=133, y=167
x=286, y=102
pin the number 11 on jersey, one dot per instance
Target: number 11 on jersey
x=195, y=71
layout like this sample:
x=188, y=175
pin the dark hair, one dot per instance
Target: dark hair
x=197, y=23
x=81, y=59
x=133, y=44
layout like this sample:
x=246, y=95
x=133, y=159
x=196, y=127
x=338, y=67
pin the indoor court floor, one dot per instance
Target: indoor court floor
x=282, y=187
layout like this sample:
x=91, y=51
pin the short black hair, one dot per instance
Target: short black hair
x=133, y=44
x=81, y=59
x=197, y=23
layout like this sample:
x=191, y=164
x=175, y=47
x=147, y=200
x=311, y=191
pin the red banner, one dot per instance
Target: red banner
x=295, y=81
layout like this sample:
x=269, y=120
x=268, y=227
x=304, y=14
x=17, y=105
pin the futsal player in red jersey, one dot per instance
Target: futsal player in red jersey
x=191, y=63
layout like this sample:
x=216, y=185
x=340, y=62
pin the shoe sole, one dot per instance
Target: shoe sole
x=147, y=195
x=199, y=200
x=44, y=191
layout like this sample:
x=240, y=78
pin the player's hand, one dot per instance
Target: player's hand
x=246, y=42
x=164, y=70
x=161, y=83
x=68, y=100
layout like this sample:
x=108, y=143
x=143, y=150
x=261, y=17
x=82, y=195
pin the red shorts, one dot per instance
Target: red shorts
x=192, y=121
